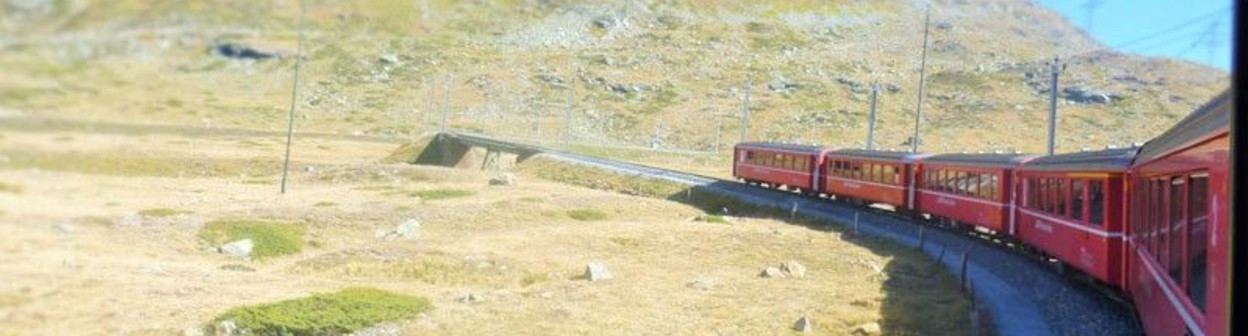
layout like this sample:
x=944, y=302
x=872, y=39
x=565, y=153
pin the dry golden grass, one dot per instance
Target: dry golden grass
x=517, y=249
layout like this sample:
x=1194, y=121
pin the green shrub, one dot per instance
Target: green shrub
x=587, y=215
x=10, y=188
x=162, y=212
x=268, y=238
x=326, y=314
x=437, y=194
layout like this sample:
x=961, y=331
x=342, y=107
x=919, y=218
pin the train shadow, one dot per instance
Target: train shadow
x=920, y=297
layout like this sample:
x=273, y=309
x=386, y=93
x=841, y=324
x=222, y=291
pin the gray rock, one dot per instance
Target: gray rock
x=226, y=328
x=65, y=228
x=771, y=272
x=596, y=271
x=388, y=59
x=866, y=329
x=606, y=22
x=503, y=180
x=701, y=284
x=384, y=329
x=1082, y=95
x=409, y=229
x=471, y=298
x=804, y=324
x=193, y=331
x=238, y=249
x=793, y=268
x=782, y=85
x=238, y=51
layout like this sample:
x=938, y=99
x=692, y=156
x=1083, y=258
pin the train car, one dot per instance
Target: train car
x=870, y=176
x=972, y=189
x=1178, y=247
x=778, y=165
x=1072, y=208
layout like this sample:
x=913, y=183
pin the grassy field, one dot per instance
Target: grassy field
x=491, y=259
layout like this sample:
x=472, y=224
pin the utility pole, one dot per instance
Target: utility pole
x=1053, y=71
x=294, y=97
x=875, y=90
x=567, y=123
x=918, y=111
x=745, y=112
x=1091, y=6
x=446, y=103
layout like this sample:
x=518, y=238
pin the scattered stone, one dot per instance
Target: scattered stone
x=605, y=22
x=944, y=26
x=193, y=331
x=409, y=229
x=504, y=180
x=383, y=329
x=782, y=85
x=238, y=249
x=65, y=228
x=771, y=272
x=471, y=298
x=596, y=271
x=152, y=270
x=1082, y=95
x=309, y=169
x=701, y=284
x=388, y=59
x=237, y=51
x=892, y=88
x=226, y=328
x=804, y=324
x=237, y=268
x=793, y=268
x=866, y=329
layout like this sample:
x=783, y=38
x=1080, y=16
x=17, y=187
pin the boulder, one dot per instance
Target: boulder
x=503, y=180
x=238, y=248
x=596, y=271
x=238, y=51
x=771, y=272
x=866, y=329
x=409, y=229
x=804, y=324
x=793, y=269
x=701, y=284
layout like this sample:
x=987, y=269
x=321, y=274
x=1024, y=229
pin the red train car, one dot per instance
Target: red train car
x=1072, y=208
x=1178, y=244
x=971, y=189
x=778, y=165
x=869, y=176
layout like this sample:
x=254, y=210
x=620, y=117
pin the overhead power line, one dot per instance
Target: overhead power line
x=1176, y=28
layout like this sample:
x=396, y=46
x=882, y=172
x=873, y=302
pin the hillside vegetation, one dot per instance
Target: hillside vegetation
x=667, y=74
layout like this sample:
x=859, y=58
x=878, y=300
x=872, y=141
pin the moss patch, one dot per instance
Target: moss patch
x=327, y=313
x=587, y=215
x=162, y=212
x=437, y=194
x=269, y=238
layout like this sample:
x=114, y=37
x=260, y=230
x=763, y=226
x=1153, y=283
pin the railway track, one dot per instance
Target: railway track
x=1022, y=294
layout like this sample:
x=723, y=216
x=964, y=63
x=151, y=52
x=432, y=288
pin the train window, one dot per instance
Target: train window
x=970, y=184
x=895, y=171
x=1046, y=195
x=838, y=168
x=749, y=157
x=993, y=185
x=1197, y=237
x=1041, y=194
x=1063, y=197
x=877, y=173
x=1096, y=202
x=1178, y=190
x=1159, y=234
x=1076, y=195
x=941, y=176
x=1030, y=193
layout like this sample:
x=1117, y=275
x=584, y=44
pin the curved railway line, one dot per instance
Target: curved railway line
x=1022, y=293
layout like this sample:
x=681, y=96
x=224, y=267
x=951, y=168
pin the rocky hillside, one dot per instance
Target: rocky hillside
x=652, y=73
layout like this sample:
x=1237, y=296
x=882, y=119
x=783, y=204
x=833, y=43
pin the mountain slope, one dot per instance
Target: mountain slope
x=663, y=73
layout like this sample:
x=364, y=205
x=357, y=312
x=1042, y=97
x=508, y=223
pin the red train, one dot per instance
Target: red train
x=1152, y=222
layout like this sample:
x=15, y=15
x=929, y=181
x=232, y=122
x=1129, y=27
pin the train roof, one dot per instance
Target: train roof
x=1206, y=120
x=783, y=147
x=875, y=154
x=1116, y=159
x=982, y=160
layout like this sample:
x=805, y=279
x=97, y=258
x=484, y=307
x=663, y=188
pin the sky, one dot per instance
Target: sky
x=1170, y=28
